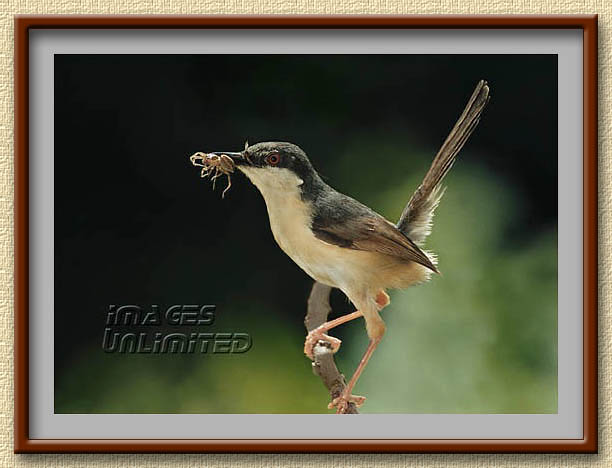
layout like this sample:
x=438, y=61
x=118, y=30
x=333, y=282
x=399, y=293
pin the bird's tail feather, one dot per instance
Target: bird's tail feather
x=415, y=221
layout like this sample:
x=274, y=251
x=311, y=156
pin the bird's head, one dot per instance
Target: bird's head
x=274, y=166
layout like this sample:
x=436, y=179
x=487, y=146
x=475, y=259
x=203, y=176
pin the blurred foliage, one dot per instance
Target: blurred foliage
x=134, y=224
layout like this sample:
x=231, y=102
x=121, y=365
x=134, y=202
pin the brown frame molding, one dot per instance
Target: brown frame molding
x=23, y=24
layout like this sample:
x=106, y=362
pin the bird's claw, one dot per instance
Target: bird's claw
x=341, y=403
x=316, y=335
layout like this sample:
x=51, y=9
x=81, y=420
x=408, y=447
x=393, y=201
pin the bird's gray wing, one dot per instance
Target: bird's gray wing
x=415, y=221
x=354, y=226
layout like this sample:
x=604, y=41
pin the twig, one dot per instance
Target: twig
x=324, y=365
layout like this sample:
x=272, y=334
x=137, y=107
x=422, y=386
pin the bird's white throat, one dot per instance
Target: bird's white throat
x=272, y=181
x=290, y=216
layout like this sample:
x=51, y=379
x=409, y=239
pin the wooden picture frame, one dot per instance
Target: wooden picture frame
x=25, y=24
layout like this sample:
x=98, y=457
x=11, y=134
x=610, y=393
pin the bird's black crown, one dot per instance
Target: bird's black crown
x=288, y=156
x=278, y=154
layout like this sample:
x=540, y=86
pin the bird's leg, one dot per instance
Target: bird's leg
x=376, y=330
x=346, y=397
x=320, y=334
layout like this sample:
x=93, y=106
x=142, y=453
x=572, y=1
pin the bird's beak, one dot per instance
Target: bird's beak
x=238, y=158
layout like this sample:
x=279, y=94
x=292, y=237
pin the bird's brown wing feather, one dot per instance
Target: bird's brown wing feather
x=373, y=234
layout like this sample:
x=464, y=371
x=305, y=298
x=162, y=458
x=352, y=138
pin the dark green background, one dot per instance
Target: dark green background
x=135, y=224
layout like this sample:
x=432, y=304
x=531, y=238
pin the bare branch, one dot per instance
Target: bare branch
x=324, y=365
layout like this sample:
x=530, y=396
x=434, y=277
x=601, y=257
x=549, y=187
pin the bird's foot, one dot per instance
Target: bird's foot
x=316, y=335
x=341, y=403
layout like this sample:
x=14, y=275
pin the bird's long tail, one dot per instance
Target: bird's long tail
x=416, y=218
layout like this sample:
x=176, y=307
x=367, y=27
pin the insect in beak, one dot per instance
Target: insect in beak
x=216, y=165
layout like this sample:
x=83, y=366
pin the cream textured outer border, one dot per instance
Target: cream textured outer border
x=11, y=7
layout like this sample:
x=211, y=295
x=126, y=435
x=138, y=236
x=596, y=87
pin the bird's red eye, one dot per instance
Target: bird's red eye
x=273, y=159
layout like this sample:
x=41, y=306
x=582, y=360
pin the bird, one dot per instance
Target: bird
x=343, y=243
